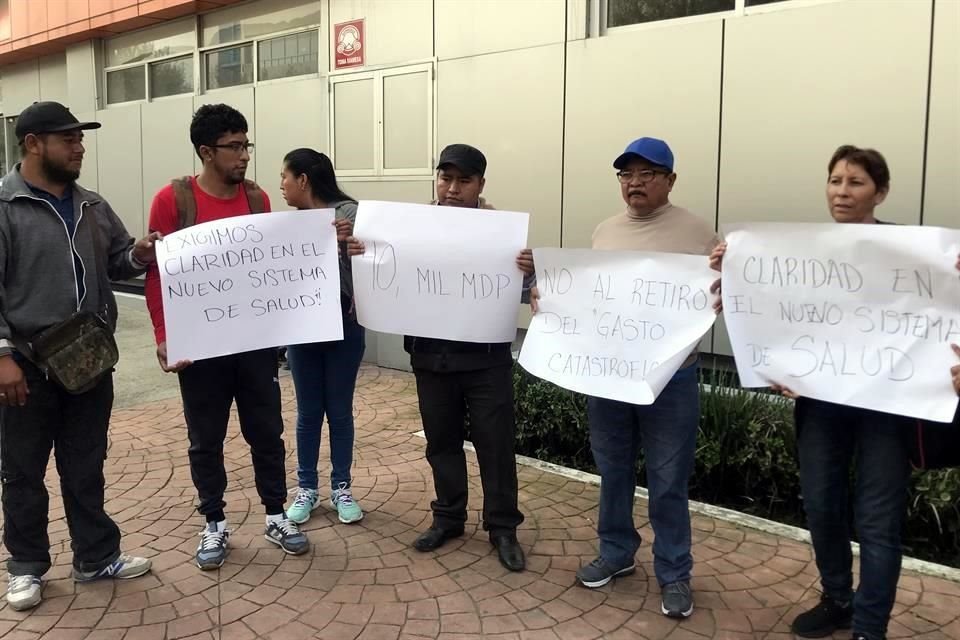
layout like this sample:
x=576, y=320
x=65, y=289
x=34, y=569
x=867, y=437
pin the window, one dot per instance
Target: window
x=126, y=85
x=382, y=122
x=171, y=77
x=293, y=55
x=253, y=57
x=160, y=58
x=626, y=12
x=250, y=21
x=229, y=67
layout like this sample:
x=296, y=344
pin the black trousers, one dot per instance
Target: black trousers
x=487, y=394
x=209, y=388
x=75, y=427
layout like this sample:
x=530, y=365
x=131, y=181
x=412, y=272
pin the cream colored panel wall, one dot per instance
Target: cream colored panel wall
x=509, y=105
x=119, y=161
x=405, y=129
x=472, y=27
x=789, y=100
x=21, y=87
x=167, y=152
x=90, y=176
x=397, y=31
x=390, y=191
x=52, y=71
x=82, y=76
x=240, y=99
x=612, y=101
x=289, y=115
x=355, y=126
x=942, y=198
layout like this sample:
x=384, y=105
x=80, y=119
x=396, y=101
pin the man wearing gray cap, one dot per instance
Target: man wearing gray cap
x=667, y=429
x=455, y=379
x=60, y=246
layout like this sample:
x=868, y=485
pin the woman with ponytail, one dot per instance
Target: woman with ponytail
x=324, y=373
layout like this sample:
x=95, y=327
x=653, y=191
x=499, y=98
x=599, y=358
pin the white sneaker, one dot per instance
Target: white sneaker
x=23, y=592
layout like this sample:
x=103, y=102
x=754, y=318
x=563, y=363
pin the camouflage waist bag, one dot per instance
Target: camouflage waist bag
x=76, y=353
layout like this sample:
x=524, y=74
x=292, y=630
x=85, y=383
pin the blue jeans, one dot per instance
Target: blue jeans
x=667, y=431
x=325, y=376
x=831, y=437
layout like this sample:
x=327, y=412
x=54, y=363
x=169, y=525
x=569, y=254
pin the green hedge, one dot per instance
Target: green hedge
x=745, y=458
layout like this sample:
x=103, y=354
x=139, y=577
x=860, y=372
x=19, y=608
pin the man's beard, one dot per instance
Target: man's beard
x=235, y=177
x=58, y=174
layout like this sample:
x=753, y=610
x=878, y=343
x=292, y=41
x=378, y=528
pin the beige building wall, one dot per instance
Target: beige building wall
x=799, y=83
x=21, y=86
x=287, y=115
x=168, y=153
x=476, y=27
x=120, y=164
x=397, y=31
x=621, y=87
x=942, y=196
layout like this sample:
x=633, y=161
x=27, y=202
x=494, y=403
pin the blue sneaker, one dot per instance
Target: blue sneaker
x=347, y=509
x=123, y=567
x=212, y=551
x=285, y=534
x=306, y=501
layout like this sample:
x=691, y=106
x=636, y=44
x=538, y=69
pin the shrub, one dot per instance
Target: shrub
x=746, y=457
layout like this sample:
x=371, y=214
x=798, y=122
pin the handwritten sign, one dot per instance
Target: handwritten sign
x=617, y=324
x=855, y=314
x=439, y=272
x=250, y=282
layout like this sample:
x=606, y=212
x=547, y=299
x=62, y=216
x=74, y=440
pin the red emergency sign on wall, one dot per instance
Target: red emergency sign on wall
x=349, y=42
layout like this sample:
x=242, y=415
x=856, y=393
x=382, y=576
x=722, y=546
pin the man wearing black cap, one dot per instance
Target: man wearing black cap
x=60, y=245
x=666, y=429
x=454, y=378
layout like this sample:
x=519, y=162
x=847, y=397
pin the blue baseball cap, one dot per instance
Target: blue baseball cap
x=653, y=150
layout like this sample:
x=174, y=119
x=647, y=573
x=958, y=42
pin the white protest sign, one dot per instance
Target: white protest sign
x=855, y=314
x=250, y=282
x=439, y=272
x=617, y=324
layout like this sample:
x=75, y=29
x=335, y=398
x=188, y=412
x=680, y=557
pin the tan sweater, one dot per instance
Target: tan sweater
x=669, y=229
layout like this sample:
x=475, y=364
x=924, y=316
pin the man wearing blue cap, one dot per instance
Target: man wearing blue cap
x=667, y=429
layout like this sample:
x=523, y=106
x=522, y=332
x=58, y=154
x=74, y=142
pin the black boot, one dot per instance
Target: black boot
x=509, y=551
x=823, y=619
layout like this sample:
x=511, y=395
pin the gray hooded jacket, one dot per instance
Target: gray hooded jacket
x=38, y=280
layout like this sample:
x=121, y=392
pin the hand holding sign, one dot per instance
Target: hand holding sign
x=616, y=324
x=853, y=314
x=438, y=272
x=249, y=282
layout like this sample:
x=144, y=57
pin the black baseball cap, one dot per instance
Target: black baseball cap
x=464, y=157
x=48, y=117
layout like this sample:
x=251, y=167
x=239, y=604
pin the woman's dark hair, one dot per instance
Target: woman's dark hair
x=213, y=121
x=870, y=160
x=319, y=171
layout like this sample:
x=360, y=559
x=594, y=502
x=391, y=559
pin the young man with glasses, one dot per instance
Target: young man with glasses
x=210, y=387
x=667, y=429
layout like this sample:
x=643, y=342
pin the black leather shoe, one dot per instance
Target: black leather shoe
x=434, y=538
x=511, y=555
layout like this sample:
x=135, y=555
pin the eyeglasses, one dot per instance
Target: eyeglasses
x=643, y=177
x=236, y=147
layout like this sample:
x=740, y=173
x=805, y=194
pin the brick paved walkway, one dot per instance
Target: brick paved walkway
x=364, y=581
